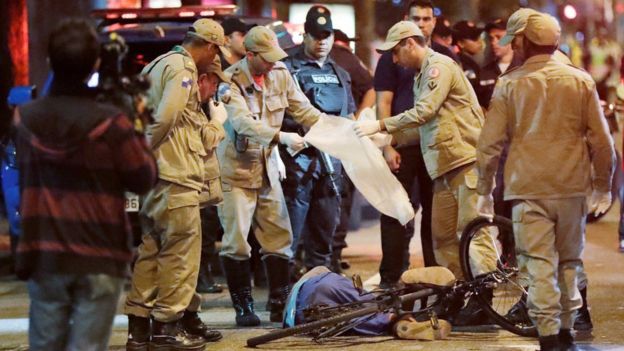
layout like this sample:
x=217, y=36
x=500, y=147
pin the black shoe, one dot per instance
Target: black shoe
x=566, y=340
x=138, y=333
x=388, y=285
x=278, y=272
x=171, y=336
x=205, y=280
x=237, y=273
x=471, y=315
x=583, y=320
x=518, y=313
x=193, y=325
x=549, y=343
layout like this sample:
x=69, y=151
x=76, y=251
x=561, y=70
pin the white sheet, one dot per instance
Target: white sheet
x=364, y=164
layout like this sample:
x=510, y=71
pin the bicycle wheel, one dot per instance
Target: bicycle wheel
x=376, y=306
x=487, y=247
x=308, y=327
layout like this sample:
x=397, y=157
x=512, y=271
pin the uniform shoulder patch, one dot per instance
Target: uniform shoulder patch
x=433, y=72
x=187, y=82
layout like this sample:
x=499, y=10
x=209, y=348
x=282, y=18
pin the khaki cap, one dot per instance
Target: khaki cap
x=398, y=32
x=215, y=67
x=543, y=29
x=210, y=31
x=263, y=41
x=516, y=24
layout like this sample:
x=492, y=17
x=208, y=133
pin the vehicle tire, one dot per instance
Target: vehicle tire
x=508, y=293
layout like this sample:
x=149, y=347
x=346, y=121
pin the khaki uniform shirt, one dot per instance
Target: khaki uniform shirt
x=550, y=115
x=446, y=113
x=181, y=135
x=255, y=116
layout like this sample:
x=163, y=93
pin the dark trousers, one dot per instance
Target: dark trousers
x=395, y=238
x=314, y=212
x=346, y=203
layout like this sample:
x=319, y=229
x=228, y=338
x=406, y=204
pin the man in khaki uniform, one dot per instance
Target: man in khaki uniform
x=514, y=33
x=550, y=114
x=448, y=118
x=165, y=273
x=262, y=91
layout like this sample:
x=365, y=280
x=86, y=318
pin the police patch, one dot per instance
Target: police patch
x=325, y=79
x=434, y=72
x=187, y=82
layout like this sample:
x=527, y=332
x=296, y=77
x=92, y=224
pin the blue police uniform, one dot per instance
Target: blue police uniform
x=310, y=186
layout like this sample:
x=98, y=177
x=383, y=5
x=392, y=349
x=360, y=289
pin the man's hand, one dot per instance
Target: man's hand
x=217, y=112
x=599, y=202
x=485, y=206
x=393, y=158
x=281, y=167
x=293, y=141
x=364, y=128
x=381, y=139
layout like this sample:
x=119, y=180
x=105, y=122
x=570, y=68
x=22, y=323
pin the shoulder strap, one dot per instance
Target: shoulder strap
x=160, y=59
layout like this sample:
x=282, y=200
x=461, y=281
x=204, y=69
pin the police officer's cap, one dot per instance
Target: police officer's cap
x=516, y=24
x=234, y=24
x=542, y=29
x=318, y=22
x=398, y=32
x=210, y=31
x=442, y=27
x=263, y=41
x=466, y=30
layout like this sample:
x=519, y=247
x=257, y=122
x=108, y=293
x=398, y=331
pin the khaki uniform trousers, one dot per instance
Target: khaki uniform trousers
x=262, y=209
x=165, y=273
x=549, y=238
x=454, y=206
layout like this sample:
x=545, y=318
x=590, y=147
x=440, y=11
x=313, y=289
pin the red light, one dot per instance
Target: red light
x=128, y=15
x=112, y=15
x=186, y=14
x=569, y=12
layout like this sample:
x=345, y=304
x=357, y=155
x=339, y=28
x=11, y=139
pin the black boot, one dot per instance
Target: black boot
x=193, y=325
x=237, y=274
x=566, y=340
x=205, y=281
x=519, y=313
x=472, y=314
x=583, y=320
x=138, y=333
x=171, y=336
x=277, y=270
x=549, y=343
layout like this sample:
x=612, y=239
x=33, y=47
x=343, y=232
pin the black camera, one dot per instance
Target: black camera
x=128, y=92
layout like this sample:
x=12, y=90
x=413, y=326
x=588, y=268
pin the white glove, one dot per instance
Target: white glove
x=599, y=202
x=217, y=112
x=381, y=139
x=485, y=206
x=293, y=141
x=281, y=167
x=364, y=128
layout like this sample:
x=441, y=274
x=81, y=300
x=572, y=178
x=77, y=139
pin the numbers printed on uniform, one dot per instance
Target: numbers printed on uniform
x=132, y=202
x=325, y=79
